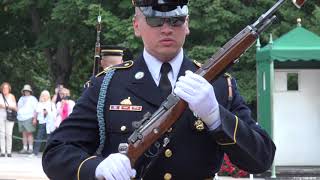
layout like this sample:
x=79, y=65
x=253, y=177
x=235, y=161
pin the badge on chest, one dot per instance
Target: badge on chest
x=125, y=105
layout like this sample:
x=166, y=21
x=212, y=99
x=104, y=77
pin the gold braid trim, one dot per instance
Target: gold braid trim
x=78, y=173
x=234, y=134
x=124, y=65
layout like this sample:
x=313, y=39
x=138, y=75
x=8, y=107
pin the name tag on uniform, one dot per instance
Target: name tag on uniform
x=125, y=108
x=125, y=105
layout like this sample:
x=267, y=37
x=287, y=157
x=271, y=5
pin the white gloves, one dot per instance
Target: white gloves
x=199, y=94
x=115, y=167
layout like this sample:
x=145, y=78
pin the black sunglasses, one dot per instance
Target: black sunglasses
x=141, y=3
x=159, y=21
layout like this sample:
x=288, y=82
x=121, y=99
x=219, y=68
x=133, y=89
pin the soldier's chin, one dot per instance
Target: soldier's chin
x=168, y=54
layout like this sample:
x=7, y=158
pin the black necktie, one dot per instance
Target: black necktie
x=164, y=84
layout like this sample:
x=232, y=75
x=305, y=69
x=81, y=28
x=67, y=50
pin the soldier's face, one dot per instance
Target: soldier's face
x=162, y=42
x=107, y=61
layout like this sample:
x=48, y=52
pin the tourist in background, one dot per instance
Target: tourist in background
x=64, y=107
x=7, y=100
x=44, y=117
x=27, y=105
x=57, y=94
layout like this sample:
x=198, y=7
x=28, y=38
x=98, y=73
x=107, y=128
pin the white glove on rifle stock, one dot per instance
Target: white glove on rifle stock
x=115, y=167
x=199, y=94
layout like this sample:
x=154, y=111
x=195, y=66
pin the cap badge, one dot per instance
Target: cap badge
x=125, y=105
x=139, y=75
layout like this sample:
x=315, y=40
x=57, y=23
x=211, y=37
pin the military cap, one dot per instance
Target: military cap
x=162, y=8
x=109, y=50
x=127, y=55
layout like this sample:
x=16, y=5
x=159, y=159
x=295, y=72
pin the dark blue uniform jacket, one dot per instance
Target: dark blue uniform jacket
x=191, y=153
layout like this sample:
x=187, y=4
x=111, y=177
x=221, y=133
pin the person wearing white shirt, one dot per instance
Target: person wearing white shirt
x=44, y=117
x=26, y=109
x=7, y=101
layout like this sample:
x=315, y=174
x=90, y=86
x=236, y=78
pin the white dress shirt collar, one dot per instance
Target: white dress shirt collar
x=154, y=66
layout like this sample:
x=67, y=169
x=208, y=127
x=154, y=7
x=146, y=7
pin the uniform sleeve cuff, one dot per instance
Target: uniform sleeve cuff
x=87, y=168
x=226, y=133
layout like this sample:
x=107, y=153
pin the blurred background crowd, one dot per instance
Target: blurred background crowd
x=37, y=117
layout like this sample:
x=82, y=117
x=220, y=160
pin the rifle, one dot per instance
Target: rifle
x=96, y=59
x=153, y=126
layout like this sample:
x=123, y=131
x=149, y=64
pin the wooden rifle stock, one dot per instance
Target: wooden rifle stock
x=152, y=127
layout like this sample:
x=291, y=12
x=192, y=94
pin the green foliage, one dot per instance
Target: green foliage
x=72, y=24
x=23, y=66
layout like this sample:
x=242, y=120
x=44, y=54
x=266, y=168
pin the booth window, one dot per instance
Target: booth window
x=292, y=81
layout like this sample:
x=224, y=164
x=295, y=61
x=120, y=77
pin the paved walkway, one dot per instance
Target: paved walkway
x=23, y=167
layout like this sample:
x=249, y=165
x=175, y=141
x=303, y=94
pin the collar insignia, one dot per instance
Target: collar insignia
x=139, y=75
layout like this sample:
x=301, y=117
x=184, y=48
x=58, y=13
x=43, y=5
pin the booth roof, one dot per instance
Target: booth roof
x=299, y=44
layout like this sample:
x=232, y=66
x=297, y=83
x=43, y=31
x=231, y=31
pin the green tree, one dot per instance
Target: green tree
x=53, y=41
x=62, y=34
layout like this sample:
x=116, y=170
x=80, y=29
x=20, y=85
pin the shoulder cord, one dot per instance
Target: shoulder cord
x=100, y=109
x=230, y=94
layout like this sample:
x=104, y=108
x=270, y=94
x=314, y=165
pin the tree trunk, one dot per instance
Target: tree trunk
x=59, y=59
x=61, y=64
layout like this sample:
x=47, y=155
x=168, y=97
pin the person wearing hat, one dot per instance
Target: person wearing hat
x=27, y=105
x=86, y=146
x=111, y=55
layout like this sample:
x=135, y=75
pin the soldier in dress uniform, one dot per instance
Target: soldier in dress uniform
x=111, y=55
x=86, y=145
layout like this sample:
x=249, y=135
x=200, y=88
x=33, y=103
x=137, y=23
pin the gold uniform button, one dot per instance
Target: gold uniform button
x=199, y=125
x=167, y=176
x=169, y=130
x=123, y=128
x=168, y=153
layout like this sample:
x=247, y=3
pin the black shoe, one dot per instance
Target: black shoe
x=9, y=155
x=2, y=155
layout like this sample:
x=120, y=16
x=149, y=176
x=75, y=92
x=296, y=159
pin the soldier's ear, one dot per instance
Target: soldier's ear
x=187, y=30
x=136, y=27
